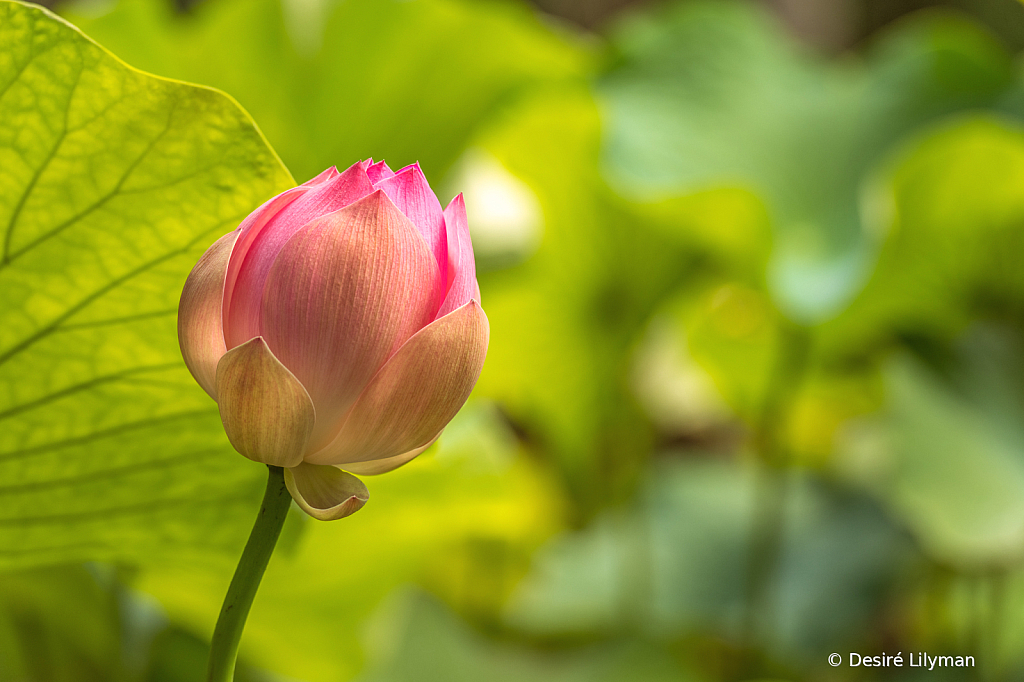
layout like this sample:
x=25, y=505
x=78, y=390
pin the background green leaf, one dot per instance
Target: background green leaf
x=712, y=94
x=955, y=198
x=945, y=454
x=415, y=639
x=403, y=81
x=675, y=563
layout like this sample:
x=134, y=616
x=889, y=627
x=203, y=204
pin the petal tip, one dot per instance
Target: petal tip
x=458, y=201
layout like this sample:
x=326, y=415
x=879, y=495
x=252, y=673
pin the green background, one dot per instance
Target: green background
x=755, y=387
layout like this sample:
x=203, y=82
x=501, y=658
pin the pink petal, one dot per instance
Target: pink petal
x=200, y=331
x=325, y=493
x=379, y=171
x=265, y=240
x=344, y=294
x=462, y=284
x=246, y=234
x=326, y=176
x=411, y=193
x=267, y=414
x=416, y=393
x=383, y=466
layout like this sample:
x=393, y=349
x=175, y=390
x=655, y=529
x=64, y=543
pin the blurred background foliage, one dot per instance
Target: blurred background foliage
x=755, y=388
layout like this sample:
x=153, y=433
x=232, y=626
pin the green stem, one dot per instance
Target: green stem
x=255, y=557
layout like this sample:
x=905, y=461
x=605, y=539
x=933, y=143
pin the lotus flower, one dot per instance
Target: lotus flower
x=338, y=328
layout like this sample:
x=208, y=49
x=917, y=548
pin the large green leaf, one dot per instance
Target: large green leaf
x=112, y=183
x=404, y=81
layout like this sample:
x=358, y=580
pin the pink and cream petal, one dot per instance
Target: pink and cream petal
x=412, y=194
x=416, y=393
x=325, y=493
x=267, y=413
x=200, y=327
x=344, y=294
x=462, y=284
x=247, y=233
x=243, y=313
x=376, y=467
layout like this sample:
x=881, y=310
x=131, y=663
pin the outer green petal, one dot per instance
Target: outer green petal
x=416, y=393
x=266, y=412
x=325, y=492
x=200, y=328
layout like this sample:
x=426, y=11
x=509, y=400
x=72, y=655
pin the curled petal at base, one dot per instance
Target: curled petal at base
x=325, y=492
x=375, y=467
x=200, y=327
x=267, y=413
x=416, y=393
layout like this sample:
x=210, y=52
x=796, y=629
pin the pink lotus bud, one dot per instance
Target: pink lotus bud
x=338, y=327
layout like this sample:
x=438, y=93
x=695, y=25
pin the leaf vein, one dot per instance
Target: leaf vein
x=24, y=67
x=116, y=320
x=126, y=510
x=84, y=386
x=99, y=435
x=99, y=203
x=34, y=180
x=55, y=325
x=127, y=470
